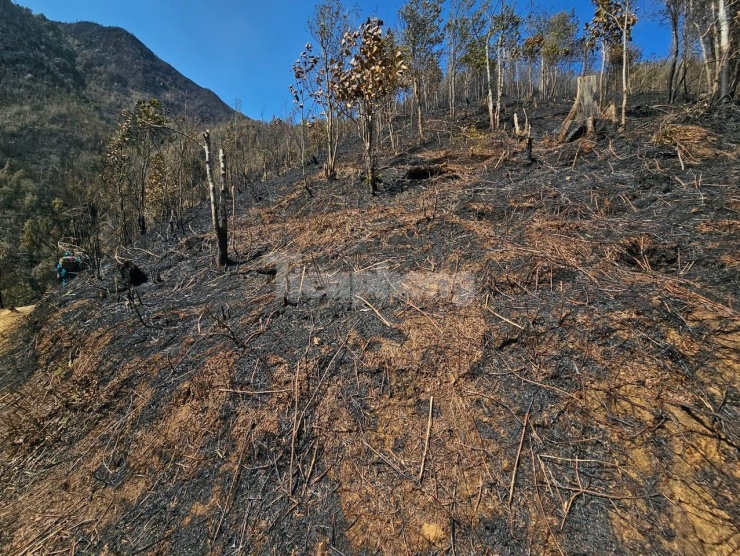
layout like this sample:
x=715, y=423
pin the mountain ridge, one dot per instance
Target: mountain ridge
x=152, y=77
x=50, y=70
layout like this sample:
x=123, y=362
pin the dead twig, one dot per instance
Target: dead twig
x=296, y=424
x=426, y=441
x=540, y=504
x=518, y=454
x=381, y=317
x=511, y=322
x=553, y=388
x=254, y=392
x=423, y=313
x=234, y=481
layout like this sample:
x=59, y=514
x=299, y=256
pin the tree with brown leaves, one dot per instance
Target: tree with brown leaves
x=367, y=73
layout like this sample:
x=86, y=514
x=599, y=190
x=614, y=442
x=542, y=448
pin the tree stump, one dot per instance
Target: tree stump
x=584, y=110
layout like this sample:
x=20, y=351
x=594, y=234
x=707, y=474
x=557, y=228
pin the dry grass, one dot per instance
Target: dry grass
x=692, y=142
x=9, y=319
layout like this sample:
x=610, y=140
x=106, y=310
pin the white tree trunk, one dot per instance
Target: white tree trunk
x=218, y=205
x=488, y=75
x=724, y=48
x=601, y=75
x=499, y=81
x=705, y=57
x=625, y=28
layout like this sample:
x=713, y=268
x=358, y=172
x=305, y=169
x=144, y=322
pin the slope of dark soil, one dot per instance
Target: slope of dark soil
x=493, y=356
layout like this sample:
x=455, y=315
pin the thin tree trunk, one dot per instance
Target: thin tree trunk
x=490, y=87
x=417, y=99
x=368, y=133
x=723, y=50
x=499, y=81
x=601, y=75
x=543, y=87
x=624, y=63
x=331, y=124
x=674, y=56
x=531, y=77
x=391, y=111
x=683, y=67
x=451, y=77
x=224, y=196
x=705, y=58
x=331, y=143
x=218, y=204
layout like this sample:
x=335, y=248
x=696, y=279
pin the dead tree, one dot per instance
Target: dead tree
x=219, y=210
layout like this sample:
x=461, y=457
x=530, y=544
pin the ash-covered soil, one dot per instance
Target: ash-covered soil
x=493, y=356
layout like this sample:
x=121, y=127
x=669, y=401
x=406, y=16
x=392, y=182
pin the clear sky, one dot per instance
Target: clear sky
x=244, y=49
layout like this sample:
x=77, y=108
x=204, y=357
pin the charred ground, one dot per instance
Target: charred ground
x=583, y=399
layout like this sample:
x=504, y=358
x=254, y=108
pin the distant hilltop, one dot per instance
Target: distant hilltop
x=108, y=65
x=64, y=85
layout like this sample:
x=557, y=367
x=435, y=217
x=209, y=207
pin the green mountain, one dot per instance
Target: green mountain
x=62, y=90
x=63, y=85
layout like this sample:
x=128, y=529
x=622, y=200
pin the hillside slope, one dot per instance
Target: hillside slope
x=491, y=357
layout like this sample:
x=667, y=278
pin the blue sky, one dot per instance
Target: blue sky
x=244, y=49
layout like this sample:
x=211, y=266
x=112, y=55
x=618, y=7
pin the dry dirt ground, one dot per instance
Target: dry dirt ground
x=10, y=320
x=493, y=356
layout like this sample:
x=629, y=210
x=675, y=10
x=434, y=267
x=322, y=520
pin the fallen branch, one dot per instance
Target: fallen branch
x=296, y=424
x=254, y=392
x=234, y=481
x=430, y=319
x=386, y=460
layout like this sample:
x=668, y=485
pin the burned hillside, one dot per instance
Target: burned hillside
x=496, y=355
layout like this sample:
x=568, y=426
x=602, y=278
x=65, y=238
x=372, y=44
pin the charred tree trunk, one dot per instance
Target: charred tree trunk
x=673, y=14
x=417, y=101
x=218, y=202
x=368, y=138
x=331, y=144
x=222, y=232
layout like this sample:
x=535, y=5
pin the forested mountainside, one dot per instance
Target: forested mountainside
x=45, y=65
x=63, y=85
x=119, y=69
x=62, y=90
